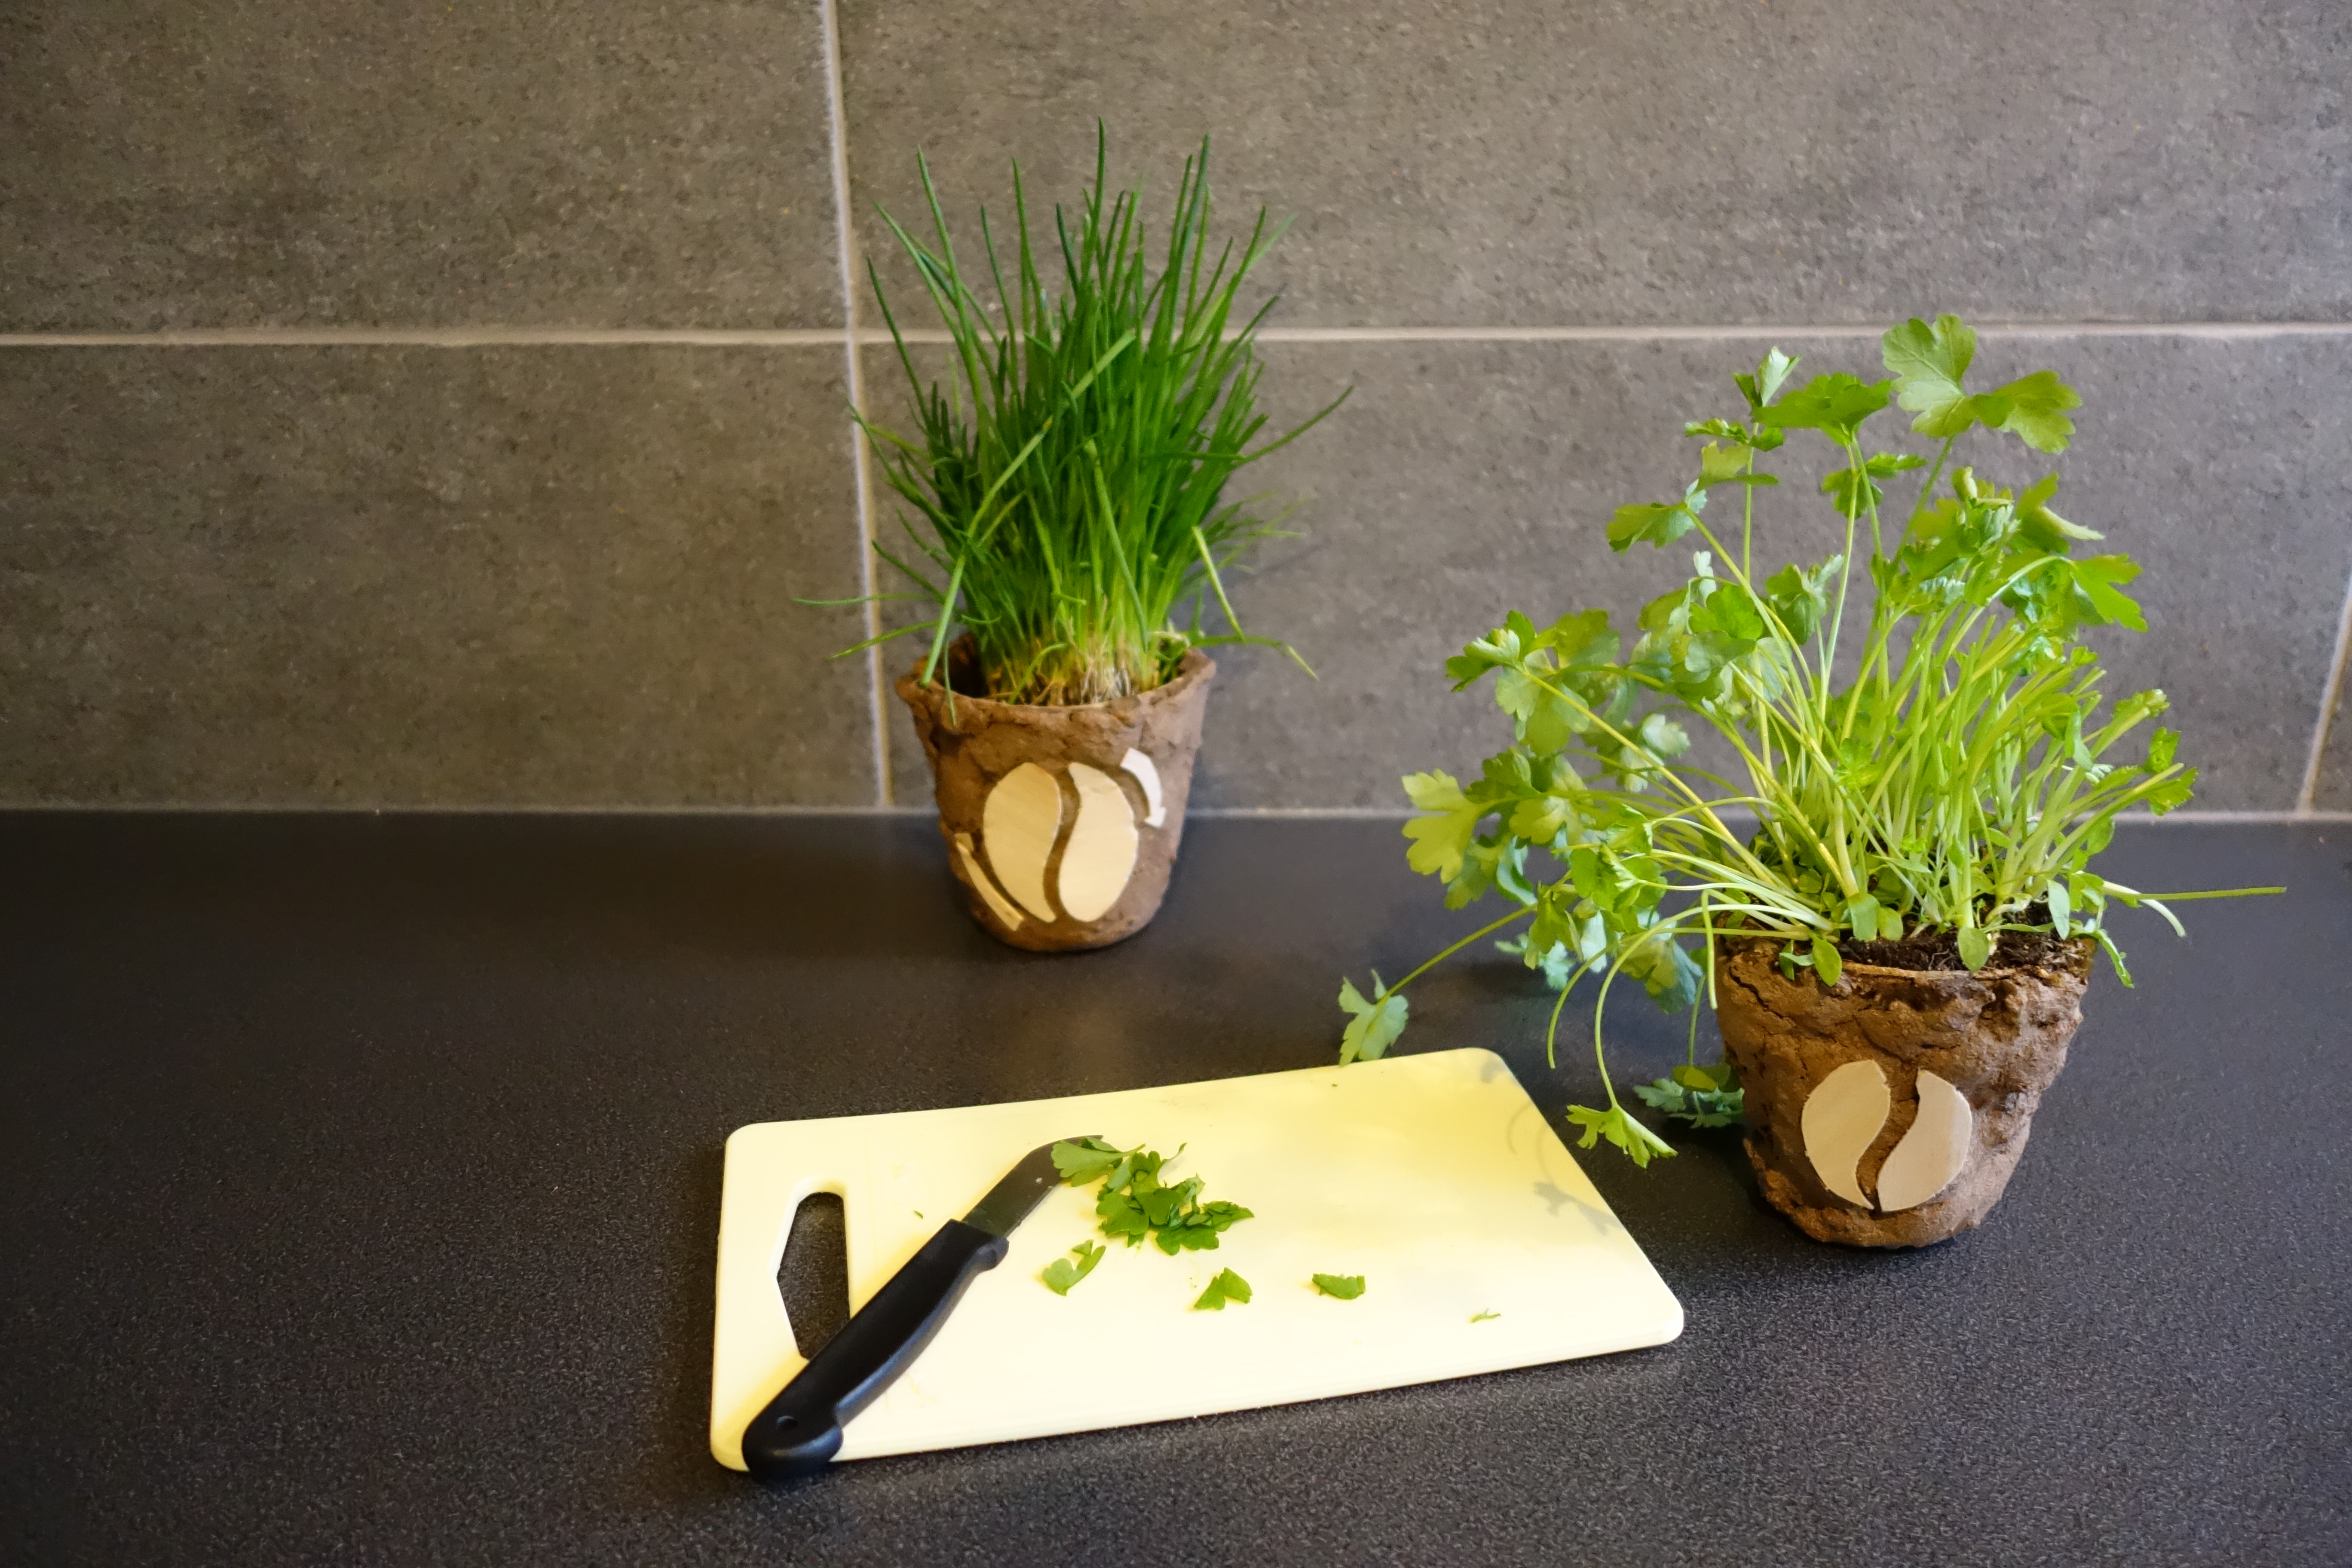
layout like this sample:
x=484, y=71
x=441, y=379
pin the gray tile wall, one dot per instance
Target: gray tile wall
x=367, y=576
x=445, y=407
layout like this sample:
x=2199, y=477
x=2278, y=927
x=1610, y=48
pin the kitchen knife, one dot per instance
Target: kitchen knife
x=799, y=1431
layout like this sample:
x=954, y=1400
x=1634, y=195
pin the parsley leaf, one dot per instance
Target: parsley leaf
x=1855, y=489
x=1346, y=1286
x=1928, y=363
x=1728, y=465
x=1061, y=1274
x=1483, y=1317
x=1085, y=1161
x=1801, y=599
x=1701, y=1097
x=1376, y=1024
x=1667, y=972
x=1659, y=523
x=1771, y=374
x=2036, y=411
x=1862, y=918
x=1134, y=1205
x=2095, y=579
x=1161, y=1204
x=1121, y=1216
x=2043, y=529
x=1441, y=839
x=1835, y=405
x=1226, y=1286
x=1637, y=1141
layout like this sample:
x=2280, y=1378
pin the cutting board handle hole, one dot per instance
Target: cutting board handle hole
x=814, y=1277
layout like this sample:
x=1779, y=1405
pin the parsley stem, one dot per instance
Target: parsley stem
x=1519, y=914
x=2217, y=893
x=1551, y=1030
x=1690, y=1046
x=1599, y=1056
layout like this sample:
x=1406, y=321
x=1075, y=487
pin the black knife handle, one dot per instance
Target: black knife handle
x=799, y=1431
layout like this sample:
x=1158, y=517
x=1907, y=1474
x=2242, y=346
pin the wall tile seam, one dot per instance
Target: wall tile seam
x=861, y=475
x=2184, y=819
x=420, y=808
x=2331, y=692
x=870, y=337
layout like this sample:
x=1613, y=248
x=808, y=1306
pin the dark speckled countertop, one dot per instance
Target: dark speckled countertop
x=359, y=1178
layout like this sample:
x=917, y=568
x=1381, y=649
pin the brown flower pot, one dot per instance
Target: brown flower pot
x=1061, y=823
x=1890, y=1109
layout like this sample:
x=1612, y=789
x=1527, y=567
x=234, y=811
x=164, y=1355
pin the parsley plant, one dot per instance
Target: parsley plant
x=1960, y=783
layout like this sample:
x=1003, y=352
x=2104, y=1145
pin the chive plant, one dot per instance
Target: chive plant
x=1956, y=786
x=1069, y=476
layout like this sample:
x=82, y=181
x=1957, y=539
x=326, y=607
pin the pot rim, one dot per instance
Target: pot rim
x=1196, y=668
x=2084, y=946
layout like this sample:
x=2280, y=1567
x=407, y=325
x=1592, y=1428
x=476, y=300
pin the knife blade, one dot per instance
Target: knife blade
x=799, y=1431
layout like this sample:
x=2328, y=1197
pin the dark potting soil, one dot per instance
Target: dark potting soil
x=1940, y=949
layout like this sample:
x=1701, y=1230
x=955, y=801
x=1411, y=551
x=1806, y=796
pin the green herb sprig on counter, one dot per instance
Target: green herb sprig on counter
x=1134, y=1206
x=1226, y=1286
x=1061, y=1274
x=1346, y=1286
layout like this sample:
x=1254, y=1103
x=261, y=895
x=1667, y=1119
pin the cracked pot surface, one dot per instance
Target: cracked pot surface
x=1999, y=1036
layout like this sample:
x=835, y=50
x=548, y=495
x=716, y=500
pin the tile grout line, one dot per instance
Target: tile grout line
x=2330, y=693
x=830, y=337
x=1721, y=332
x=434, y=338
x=850, y=336
x=2186, y=818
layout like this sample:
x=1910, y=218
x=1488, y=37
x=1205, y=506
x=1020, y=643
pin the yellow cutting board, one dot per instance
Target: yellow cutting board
x=1432, y=1176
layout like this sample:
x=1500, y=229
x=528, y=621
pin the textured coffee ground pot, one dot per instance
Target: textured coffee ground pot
x=982, y=741
x=1999, y=1036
